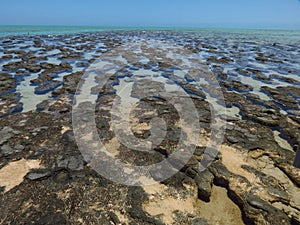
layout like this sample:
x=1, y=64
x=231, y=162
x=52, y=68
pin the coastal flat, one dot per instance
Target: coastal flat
x=141, y=94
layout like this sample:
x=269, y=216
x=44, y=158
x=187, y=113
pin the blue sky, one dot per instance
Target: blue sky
x=186, y=13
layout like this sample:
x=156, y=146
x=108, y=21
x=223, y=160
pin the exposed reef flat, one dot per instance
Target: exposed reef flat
x=45, y=179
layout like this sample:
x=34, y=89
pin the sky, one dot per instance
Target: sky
x=153, y=13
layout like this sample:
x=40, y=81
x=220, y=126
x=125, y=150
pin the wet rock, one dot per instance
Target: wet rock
x=292, y=172
x=19, y=147
x=66, y=66
x=192, y=90
x=237, y=85
x=279, y=195
x=50, y=219
x=39, y=129
x=217, y=69
x=6, y=150
x=38, y=43
x=254, y=71
x=7, y=83
x=198, y=221
x=278, y=217
x=204, y=182
x=5, y=134
x=284, y=78
x=249, y=135
x=45, y=65
x=297, y=157
x=39, y=174
x=221, y=174
x=262, y=59
x=62, y=177
x=114, y=218
x=271, y=184
x=32, y=68
x=243, y=72
x=43, y=105
x=6, y=57
x=82, y=64
x=292, y=90
x=136, y=197
x=47, y=87
x=282, y=98
x=221, y=60
x=71, y=81
x=222, y=76
x=13, y=66
x=256, y=202
x=43, y=78
x=147, y=88
x=164, y=65
x=263, y=78
x=233, y=99
x=68, y=138
x=269, y=117
x=74, y=163
x=70, y=55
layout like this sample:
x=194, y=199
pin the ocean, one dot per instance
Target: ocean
x=283, y=36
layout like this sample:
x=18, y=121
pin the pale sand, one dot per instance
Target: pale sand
x=220, y=210
x=13, y=174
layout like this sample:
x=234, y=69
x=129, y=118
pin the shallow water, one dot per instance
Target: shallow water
x=233, y=45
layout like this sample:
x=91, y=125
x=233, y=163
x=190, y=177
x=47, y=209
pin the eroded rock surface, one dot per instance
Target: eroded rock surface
x=45, y=179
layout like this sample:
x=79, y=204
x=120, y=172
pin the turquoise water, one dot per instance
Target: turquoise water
x=245, y=34
x=47, y=30
x=57, y=30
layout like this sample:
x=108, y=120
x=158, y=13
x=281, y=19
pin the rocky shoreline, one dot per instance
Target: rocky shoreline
x=45, y=179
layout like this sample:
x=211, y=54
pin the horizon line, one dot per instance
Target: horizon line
x=162, y=26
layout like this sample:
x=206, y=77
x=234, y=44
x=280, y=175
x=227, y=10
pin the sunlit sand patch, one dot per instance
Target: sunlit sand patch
x=113, y=146
x=233, y=160
x=220, y=210
x=167, y=206
x=13, y=174
x=163, y=205
x=145, y=181
x=64, y=129
x=140, y=128
x=154, y=189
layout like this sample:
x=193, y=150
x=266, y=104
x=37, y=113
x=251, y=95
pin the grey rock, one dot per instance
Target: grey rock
x=39, y=129
x=38, y=175
x=5, y=134
x=19, y=147
x=68, y=138
x=221, y=174
x=6, y=150
x=258, y=203
x=199, y=221
x=70, y=162
x=204, y=181
x=50, y=219
x=62, y=177
x=292, y=172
